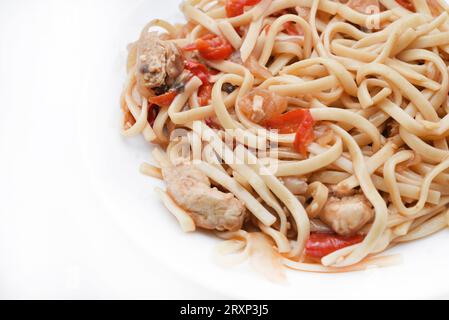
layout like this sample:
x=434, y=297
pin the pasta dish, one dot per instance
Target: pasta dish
x=313, y=133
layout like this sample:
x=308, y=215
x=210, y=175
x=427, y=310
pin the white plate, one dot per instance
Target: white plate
x=112, y=163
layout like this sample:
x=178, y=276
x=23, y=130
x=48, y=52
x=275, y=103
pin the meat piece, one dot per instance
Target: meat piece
x=159, y=62
x=340, y=192
x=210, y=208
x=347, y=215
x=318, y=226
x=296, y=185
x=364, y=6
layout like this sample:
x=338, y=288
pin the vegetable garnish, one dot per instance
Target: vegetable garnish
x=236, y=8
x=299, y=121
x=199, y=70
x=204, y=94
x=323, y=244
x=212, y=47
x=153, y=112
x=165, y=99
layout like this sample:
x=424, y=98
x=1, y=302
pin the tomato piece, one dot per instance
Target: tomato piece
x=320, y=245
x=289, y=122
x=240, y=31
x=299, y=121
x=252, y=2
x=164, y=100
x=407, y=4
x=153, y=111
x=214, y=72
x=202, y=72
x=304, y=136
x=204, y=94
x=199, y=70
x=212, y=47
x=236, y=8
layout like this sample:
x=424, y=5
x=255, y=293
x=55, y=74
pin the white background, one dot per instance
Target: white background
x=76, y=218
x=56, y=240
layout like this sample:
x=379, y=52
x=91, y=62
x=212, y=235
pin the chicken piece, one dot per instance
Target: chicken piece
x=340, y=192
x=210, y=208
x=296, y=185
x=347, y=215
x=159, y=62
x=364, y=6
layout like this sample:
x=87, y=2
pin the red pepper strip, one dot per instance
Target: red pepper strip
x=235, y=8
x=407, y=4
x=252, y=2
x=199, y=70
x=299, y=121
x=214, y=72
x=164, y=100
x=153, y=111
x=288, y=122
x=202, y=72
x=320, y=245
x=204, y=94
x=304, y=135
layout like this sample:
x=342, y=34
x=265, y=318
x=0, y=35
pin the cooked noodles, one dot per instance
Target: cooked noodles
x=314, y=129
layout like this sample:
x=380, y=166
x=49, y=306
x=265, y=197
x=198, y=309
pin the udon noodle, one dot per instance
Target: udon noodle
x=315, y=128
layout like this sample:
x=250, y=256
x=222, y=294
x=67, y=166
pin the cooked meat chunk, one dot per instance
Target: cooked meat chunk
x=296, y=185
x=340, y=192
x=159, y=62
x=210, y=208
x=347, y=215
